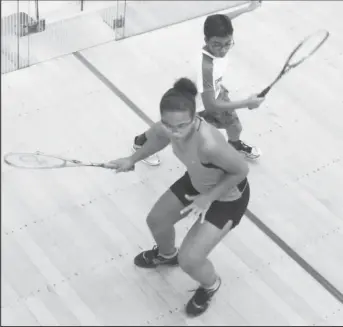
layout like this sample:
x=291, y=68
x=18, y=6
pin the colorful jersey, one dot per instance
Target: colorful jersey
x=209, y=72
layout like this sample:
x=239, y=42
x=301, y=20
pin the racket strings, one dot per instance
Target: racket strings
x=308, y=47
x=33, y=160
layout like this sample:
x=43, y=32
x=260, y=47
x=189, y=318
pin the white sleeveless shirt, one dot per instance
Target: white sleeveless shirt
x=208, y=74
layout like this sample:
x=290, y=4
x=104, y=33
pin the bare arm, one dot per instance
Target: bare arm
x=239, y=11
x=156, y=141
x=221, y=154
x=208, y=94
x=236, y=13
x=212, y=104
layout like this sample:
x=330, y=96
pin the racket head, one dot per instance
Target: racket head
x=307, y=47
x=33, y=161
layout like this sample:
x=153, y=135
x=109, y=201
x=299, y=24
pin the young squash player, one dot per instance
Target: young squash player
x=213, y=99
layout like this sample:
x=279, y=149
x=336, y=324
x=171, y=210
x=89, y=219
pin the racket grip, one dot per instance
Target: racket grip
x=264, y=92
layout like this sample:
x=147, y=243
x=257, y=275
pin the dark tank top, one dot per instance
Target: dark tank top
x=203, y=176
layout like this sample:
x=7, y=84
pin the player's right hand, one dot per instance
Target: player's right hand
x=121, y=165
x=254, y=101
x=254, y=5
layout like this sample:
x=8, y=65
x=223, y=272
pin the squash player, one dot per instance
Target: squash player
x=213, y=101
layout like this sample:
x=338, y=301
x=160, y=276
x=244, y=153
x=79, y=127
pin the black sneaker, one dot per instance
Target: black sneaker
x=200, y=301
x=250, y=152
x=152, y=259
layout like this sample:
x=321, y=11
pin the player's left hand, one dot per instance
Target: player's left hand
x=254, y=5
x=121, y=165
x=198, y=208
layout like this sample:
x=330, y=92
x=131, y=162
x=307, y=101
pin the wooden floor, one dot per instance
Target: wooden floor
x=69, y=235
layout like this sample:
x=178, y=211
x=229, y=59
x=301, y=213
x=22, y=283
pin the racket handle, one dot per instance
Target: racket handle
x=264, y=92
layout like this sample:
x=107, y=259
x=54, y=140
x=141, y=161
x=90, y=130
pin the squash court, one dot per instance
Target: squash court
x=69, y=236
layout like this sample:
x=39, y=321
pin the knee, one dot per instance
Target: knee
x=157, y=223
x=153, y=222
x=234, y=128
x=238, y=126
x=188, y=261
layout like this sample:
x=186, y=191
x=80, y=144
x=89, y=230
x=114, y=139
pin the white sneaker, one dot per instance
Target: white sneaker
x=153, y=160
x=253, y=154
x=250, y=152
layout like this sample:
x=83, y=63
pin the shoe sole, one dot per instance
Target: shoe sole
x=248, y=156
x=157, y=264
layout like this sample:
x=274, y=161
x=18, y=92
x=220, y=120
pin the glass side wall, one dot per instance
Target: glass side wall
x=36, y=31
x=145, y=16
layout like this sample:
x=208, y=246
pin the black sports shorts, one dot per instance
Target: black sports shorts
x=220, y=212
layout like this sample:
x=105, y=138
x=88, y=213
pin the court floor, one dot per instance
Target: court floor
x=69, y=236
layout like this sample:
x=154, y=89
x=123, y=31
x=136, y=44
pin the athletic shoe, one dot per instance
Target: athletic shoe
x=153, y=160
x=250, y=152
x=152, y=259
x=200, y=301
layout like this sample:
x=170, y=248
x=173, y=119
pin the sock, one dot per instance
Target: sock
x=140, y=139
x=235, y=144
x=214, y=286
x=169, y=256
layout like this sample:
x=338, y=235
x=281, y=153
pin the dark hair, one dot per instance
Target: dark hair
x=217, y=25
x=181, y=97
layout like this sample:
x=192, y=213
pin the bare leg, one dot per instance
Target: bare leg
x=161, y=220
x=197, y=245
x=234, y=129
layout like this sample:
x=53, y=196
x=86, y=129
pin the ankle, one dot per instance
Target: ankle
x=213, y=285
x=235, y=144
x=169, y=254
